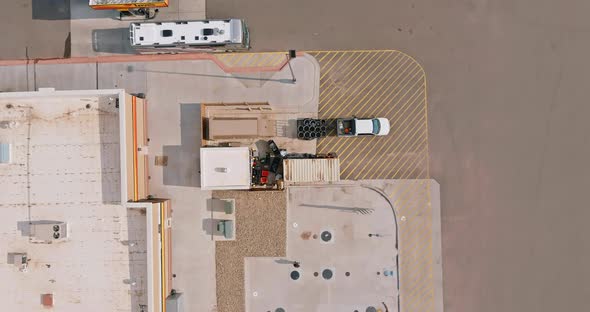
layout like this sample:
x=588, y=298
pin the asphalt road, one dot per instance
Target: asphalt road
x=509, y=136
x=34, y=28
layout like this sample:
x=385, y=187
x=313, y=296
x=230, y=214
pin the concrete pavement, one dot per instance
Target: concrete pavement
x=64, y=28
x=174, y=91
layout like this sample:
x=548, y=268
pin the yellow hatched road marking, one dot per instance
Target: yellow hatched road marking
x=401, y=144
x=359, y=80
x=382, y=85
x=389, y=84
x=354, y=109
x=394, y=96
x=332, y=92
x=362, y=83
x=394, y=133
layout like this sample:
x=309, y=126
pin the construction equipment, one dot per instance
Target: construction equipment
x=130, y=9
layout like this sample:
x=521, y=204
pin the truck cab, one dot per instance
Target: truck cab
x=362, y=126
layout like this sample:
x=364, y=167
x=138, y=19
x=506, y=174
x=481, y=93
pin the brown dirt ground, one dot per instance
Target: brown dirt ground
x=260, y=232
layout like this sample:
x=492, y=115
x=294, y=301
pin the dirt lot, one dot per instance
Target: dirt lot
x=260, y=232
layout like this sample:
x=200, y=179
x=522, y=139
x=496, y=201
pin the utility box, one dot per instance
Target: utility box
x=17, y=258
x=49, y=231
x=174, y=303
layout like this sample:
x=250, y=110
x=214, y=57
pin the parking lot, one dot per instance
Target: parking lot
x=380, y=83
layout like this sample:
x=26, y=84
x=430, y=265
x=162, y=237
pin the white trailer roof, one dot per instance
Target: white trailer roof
x=204, y=32
x=225, y=168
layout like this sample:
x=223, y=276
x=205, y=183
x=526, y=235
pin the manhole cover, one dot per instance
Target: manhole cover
x=283, y=310
x=327, y=274
x=295, y=275
x=326, y=236
x=371, y=309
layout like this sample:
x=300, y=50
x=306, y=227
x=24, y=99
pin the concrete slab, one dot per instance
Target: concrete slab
x=417, y=207
x=15, y=78
x=66, y=76
x=183, y=79
x=328, y=229
x=174, y=91
x=128, y=76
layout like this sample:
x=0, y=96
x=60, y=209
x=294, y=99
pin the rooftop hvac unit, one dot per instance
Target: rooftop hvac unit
x=49, y=231
x=19, y=260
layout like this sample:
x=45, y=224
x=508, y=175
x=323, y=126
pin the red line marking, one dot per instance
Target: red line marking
x=147, y=58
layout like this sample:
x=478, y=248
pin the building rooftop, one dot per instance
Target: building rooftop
x=225, y=168
x=65, y=169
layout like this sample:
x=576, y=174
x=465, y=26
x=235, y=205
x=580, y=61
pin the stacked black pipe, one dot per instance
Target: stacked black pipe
x=309, y=129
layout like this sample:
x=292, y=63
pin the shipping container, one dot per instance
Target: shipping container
x=311, y=170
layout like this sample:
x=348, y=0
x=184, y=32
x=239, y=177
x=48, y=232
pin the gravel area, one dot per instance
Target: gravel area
x=260, y=232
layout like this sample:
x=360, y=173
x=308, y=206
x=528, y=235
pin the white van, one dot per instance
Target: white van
x=187, y=36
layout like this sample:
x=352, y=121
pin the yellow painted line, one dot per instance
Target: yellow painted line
x=278, y=59
x=338, y=94
x=400, y=145
x=352, y=96
x=388, y=149
x=246, y=60
x=326, y=100
x=373, y=172
x=261, y=60
x=395, y=134
x=326, y=55
x=331, y=64
x=357, y=83
x=400, y=166
x=418, y=250
x=398, y=99
x=414, y=163
x=384, y=84
x=234, y=60
x=388, y=94
x=352, y=64
x=386, y=115
x=356, y=145
x=390, y=97
x=351, y=110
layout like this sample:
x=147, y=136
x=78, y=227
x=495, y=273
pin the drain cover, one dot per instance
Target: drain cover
x=371, y=309
x=283, y=310
x=295, y=275
x=327, y=274
x=326, y=236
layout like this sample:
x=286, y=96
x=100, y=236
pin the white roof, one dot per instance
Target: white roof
x=68, y=157
x=322, y=170
x=364, y=126
x=186, y=32
x=225, y=168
